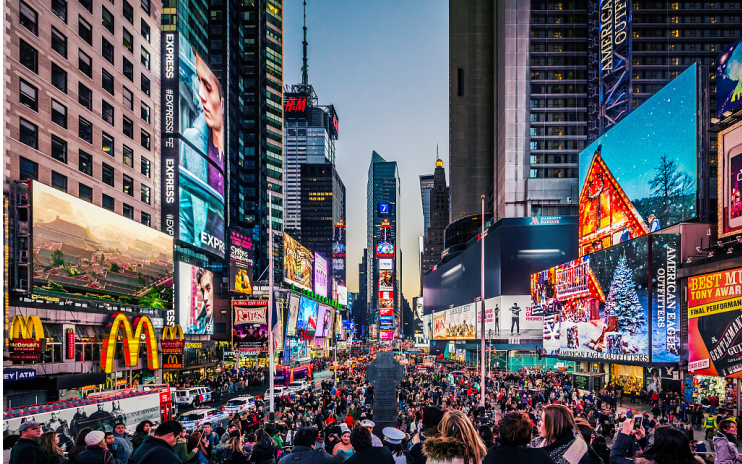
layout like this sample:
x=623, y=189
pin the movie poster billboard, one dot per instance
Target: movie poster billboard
x=195, y=299
x=621, y=200
x=729, y=180
x=599, y=308
x=460, y=323
x=386, y=335
x=728, y=76
x=339, y=327
x=324, y=321
x=307, y=318
x=82, y=249
x=240, y=263
x=250, y=329
x=386, y=280
x=321, y=275
x=665, y=298
x=439, y=325
x=715, y=324
x=510, y=317
x=297, y=263
x=293, y=314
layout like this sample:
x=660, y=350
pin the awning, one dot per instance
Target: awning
x=59, y=382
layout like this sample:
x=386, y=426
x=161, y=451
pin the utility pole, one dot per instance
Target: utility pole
x=482, y=382
x=272, y=367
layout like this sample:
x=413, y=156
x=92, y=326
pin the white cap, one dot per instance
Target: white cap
x=368, y=423
x=393, y=436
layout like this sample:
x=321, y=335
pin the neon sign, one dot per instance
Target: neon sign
x=132, y=342
x=295, y=105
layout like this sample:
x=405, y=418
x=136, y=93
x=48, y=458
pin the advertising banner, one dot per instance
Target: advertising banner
x=385, y=244
x=324, y=321
x=321, y=275
x=80, y=248
x=307, y=319
x=297, y=263
x=665, y=298
x=250, y=330
x=460, y=323
x=338, y=241
x=730, y=180
x=728, y=76
x=510, y=317
x=170, y=148
x=715, y=324
x=439, y=326
x=343, y=295
x=386, y=264
x=386, y=281
x=240, y=263
x=293, y=315
x=196, y=299
x=295, y=350
x=339, y=327
x=386, y=335
x=620, y=201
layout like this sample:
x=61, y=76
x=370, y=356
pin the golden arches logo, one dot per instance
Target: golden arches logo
x=26, y=328
x=172, y=332
x=132, y=342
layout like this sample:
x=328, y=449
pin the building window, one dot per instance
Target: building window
x=59, y=42
x=128, y=41
x=145, y=194
x=28, y=95
x=85, y=64
x=107, y=202
x=107, y=51
x=145, y=30
x=107, y=20
x=146, y=219
x=29, y=169
x=59, y=78
x=29, y=18
x=59, y=114
x=87, y=4
x=85, y=130
x=128, y=211
x=107, y=81
x=145, y=6
x=128, y=185
x=29, y=56
x=128, y=12
x=128, y=128
x=85, y=162
x=85, y=31
x=145, y=57
x=59, y=181
x=145, y=112
x=128, y=70
x=107, y=112
x=107, y=144
x=29, y=134
x=107, y=174
x=128, y=156
x=144, y=168
x=145, y=84
x=145, y=139
x=86, y=193
x=59, y=8
x=59, y=149
x=84, y=96
x=128, y=98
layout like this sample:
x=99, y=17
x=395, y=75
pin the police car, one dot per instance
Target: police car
x=239, y=404
x=298, y=386
x=192, y=396
x=278, y=391
x=192, y=419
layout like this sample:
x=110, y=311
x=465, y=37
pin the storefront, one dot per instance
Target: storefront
x=698, y=387
x=628, y=377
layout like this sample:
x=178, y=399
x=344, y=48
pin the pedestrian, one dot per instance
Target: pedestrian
x=122, y=448
x=96, y=451
x=158, y=449
x=80, y=444
x=365, y=451
x=559, y=437
x=49, y=442
x=305, y=451
x=710, y=426
x=393, y=441
x=181, y=447
x=515, y=435
x=264, y=451
x=725, y=443
x=27, y=449
x=140, y=434
x=108, y=440
x=457, y=442
x=235, y=455
x=432, y=416
x=369, y=424
x=345, y=446
x=670, y=446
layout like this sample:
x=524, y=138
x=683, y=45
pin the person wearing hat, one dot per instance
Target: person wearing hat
x=365, y=452
x=27, y=449
x=305, y=450
x=369, y=424
x=393, y=440
x=96, y=452
x=344, y=444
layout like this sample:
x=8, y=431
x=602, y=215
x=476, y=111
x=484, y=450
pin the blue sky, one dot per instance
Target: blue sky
x=384, y=65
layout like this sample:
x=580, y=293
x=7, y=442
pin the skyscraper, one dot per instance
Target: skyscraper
x=438, y=213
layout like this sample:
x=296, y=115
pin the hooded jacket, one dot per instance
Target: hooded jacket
x=444, y=452
x=726, y=450
x=264, y=452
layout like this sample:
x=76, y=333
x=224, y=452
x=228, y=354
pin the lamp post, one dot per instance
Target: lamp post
x=482, y=382
x=271, y=367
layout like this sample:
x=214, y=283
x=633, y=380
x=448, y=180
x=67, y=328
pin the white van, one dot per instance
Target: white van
x=190, y=396
x=239, y=404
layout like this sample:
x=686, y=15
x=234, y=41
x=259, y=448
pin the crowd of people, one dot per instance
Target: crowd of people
x=533, y=416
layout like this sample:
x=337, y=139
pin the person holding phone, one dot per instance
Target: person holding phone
x=629, y=441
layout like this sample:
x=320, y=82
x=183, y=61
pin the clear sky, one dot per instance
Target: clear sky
x=384, y=65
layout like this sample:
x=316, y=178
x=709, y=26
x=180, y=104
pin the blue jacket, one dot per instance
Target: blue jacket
x=625, y=447
x=122, y=447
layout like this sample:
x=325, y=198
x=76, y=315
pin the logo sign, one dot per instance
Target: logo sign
x=18, y=374
x=386, y=264
x=295, y=105
x=172, y=361
x=132, y=342
x=26, y=339
x=194, y=345
x=172, y=340
x=384, y=209
x=70, y=342
x=386, y=295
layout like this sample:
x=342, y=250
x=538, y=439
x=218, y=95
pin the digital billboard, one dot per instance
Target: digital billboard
x=510, y=317
x=240, y=263
x=338, y=241
x=80, y=249
x=729, y=181
x=343, y=295
x=715, y=324
x=439, y=325
x=384, y=209
x=297, y=263
x=665, y=298
x=641, y=175
x=338, y=326
x=307, y=318
x=460, y=323
x=729, y=79
x=250, y=329
x=386, y=264
x=293, y=315
x=386, y=335
x=195, y=299
x=385, y=244
x=324, y=321
x=386, y=280
x=295, y=350
x=384, y=249
x=321, y=275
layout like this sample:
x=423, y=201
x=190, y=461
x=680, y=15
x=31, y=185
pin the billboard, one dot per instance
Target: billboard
x=715, y=324
x=307, y=318
x=386, y=335
x=385, y=244
x=240, y=263
x=386, y=264
x=665, y=298
x=324, y=321
x=439, y=325
x=342, y=295
x=386, y=280
x=250, y=327
x=295, y=350
x=510, y=317
x=622, y=200
x=321, y=275
x=728, y=77
x=338, y=241
x=297, y=263
x=729, y=180
x=293, y=315
x=338, y=326
x=195, y=299
x=82, y=249
x=460, y=323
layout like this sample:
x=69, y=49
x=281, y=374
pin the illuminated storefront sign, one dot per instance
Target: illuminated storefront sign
x=172, y=339
x=295, y=105
x=132, y=342
x=70, y=341
x=194, y=345
x=26, y=339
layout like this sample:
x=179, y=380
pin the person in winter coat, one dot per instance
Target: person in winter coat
x=432, y=417
x=80, y=444
x=158, y=449
x=725, y=443
x=670, y=446
x=181, y=447
x=96, y=452
x=264, y=451
x=27, y=449
x=49, y=442
x=601, y=447
x=140, y=434
x=457, y=442
x=587, y=433
x=234, y=449
x=365, y=451
x=305, y=452
x=122, y=448
x=560, y=438
x=515, y=434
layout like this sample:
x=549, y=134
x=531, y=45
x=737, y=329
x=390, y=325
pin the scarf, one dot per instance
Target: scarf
x=567, y=450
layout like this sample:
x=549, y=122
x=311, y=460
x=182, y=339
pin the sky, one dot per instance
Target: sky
x=384, y=65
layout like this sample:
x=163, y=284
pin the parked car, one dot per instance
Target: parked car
x=193, y=396
x=192, y=419
x=239, y=404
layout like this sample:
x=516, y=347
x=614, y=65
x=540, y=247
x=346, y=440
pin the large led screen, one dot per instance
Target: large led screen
x=293, y=315
x=729, y=79
x=250, y=329
x=321, y=275
x=196, y=299
x=307, y=319
x=641, y=175
x=240, y=263
x=729, y=180
x=80, y=249
x=324, y=321
x=510, y=317
x=297, y=263
x=665, y=298
x=715, y=324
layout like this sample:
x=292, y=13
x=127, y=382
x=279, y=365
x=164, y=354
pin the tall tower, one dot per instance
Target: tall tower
x=438, y=214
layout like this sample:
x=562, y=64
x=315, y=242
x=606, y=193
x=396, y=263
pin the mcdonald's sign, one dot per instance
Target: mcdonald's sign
x=172, y=361
x=26, y=338
x=132, y=342
x=172, y=339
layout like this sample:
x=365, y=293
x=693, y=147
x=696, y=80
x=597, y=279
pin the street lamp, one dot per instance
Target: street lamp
x=481, y=327
x=271, y=367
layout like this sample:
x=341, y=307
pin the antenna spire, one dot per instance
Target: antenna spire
x=305, y=66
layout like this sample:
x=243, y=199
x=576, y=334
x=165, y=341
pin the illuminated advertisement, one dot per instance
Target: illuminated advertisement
x=297, y=263
x=196, y=299
x=729, y=79
x=439, y=325
x=339, y=327
x=386, y=264
x=295, y=350
x=715, y=324
x=386, y=322
x=240, y=263
x=619, y=200
x=295, y=105
x=665, y=298
x=384, y=209
x=510, y=317
x=386, y=280
x=384, y=248
x=385, y=244
x=729, y=180
x=386, y=335
x=321, y=279
x=343, y=295
x=324, y=321
x=293, y=315
x=307, y=319
x=598, y=307
x=338, y=241
x=460, y=322
x=84, y=250
x=250, y=329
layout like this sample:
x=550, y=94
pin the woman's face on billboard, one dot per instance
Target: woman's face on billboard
x=211, y=99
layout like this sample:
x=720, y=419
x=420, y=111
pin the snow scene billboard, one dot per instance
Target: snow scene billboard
x=641, y=176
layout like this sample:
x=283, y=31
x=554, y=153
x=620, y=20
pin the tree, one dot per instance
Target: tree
x=114, y=267
x=57, y=258
x=623, y=301
x=669, y=187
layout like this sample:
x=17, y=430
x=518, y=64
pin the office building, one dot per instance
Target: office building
x=433, y=241
x=190, y=18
